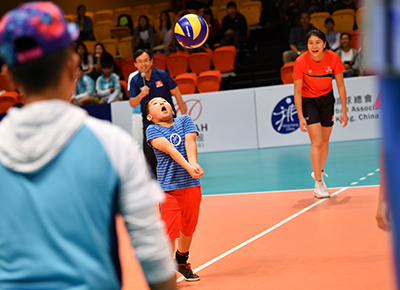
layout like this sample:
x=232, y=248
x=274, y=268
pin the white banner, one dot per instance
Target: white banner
x=278, y=121
x=225, y=120
x=267, y=117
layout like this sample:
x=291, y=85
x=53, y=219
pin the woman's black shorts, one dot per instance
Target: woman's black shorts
x=319, y=110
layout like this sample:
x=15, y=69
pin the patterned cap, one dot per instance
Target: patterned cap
x=33, y=30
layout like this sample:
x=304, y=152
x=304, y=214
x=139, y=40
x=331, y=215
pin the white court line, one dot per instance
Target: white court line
x=275, y=191
x=262, y=234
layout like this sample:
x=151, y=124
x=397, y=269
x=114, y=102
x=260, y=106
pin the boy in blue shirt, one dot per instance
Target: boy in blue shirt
x=64, y=175
x=107, y=85
x=174, y=144
x=85, y=89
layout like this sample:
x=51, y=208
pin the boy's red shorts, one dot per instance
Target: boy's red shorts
x=180, y=211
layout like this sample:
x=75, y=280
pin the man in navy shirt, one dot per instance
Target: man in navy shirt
x=155, y=82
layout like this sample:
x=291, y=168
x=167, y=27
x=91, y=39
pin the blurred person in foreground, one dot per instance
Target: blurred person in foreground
x=64, y=175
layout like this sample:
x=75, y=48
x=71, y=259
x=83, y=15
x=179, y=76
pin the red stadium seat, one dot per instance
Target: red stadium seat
x=224, y=58
x=177, y=63
x=209, y=81
x=7, y=100
x=124, y=86
x=199, y=62
x=128, y=67
x=118, y=63
x=355, y=39
x=186, y=83
x=286, y=73
x=160, y=61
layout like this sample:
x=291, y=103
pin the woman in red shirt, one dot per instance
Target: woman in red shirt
x=313, y=96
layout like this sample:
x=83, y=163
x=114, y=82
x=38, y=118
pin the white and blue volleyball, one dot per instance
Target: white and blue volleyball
x=191, y=31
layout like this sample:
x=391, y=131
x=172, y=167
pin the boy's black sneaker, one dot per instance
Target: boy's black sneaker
x=187, y=272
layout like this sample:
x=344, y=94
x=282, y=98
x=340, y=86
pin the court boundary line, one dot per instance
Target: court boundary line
x=281, y=223
x=281, y=191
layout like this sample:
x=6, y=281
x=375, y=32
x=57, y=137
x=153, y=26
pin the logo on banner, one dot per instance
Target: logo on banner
x=194, y=108
x=284, y=117
x=175, y=139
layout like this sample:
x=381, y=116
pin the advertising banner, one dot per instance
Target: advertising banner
x=225, y=120
x=277, y=118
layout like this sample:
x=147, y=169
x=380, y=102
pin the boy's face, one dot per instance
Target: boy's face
x=107, y=71
x=159, y=110
x=79, y=73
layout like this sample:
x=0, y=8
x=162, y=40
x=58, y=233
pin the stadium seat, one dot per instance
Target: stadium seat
x=221, y=13
x=209, y=81
x=286, y=73
x=102, y=29
x=90, y=44
x=355, y=39
x=102, y=15
x=120, y=11
x=156, y=23
x=177, y=63
x=110, y=45
x=125, y=47
x=124, y=86
x=118, y=63
x=173, y=17
x=320, y=14
x=344, y=20
x=128, y=67
x=7, y=100
x=70, y=17
x=251, y=10
x=140, y=10
x=220, y=3
x=224, y=58
x=318, y=20
x=159, y=7
x=120, y=32
x=190, y=11
x=360, y=13
x=160, y=61
x=90, y=14
x=199, y=62
x=186, y=83
x=209, y=51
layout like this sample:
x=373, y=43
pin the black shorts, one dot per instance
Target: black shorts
x=319, y=110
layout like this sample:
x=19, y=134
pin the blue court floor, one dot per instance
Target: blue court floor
x=352, y=163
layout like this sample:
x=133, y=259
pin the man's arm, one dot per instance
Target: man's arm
x=134, y=101
x=178, y=96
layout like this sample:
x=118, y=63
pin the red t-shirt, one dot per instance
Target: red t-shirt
x=317, y=76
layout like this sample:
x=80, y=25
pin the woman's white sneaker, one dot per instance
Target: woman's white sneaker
x=322, y=177
x=320, y=191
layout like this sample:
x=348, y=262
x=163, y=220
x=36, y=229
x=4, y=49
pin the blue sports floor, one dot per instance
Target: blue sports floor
x=351, y=163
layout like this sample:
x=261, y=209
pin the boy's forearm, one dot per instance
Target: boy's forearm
x=165, y=146
x=191, y=151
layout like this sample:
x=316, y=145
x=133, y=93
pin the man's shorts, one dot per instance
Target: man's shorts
x=180, y=211
x=319, y=110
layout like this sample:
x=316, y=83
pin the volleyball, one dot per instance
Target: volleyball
x=191, y=31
